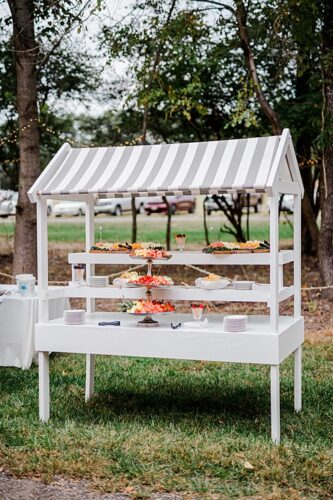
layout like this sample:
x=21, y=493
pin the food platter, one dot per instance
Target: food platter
x=225, y=247
x=110, y=251
x=223, y=252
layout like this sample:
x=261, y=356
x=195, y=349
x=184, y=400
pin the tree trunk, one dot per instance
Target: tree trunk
x=205, y=221
x=152, y=75
x=25, y=52
x=266, y=108
x=134, y=220
x=310, y=229
x=326, y=181
x=168, y=228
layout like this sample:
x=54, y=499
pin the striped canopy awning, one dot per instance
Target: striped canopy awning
x=192, y=168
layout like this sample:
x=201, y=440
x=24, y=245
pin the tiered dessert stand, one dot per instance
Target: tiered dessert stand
x=148, y=321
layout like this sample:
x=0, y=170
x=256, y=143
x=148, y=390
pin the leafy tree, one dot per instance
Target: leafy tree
x=326, y=181
x=39, y=30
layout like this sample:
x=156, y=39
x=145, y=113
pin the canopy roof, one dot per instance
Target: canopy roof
x=243, y=165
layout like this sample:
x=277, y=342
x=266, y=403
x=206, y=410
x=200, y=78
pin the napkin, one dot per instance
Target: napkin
x=196, y=324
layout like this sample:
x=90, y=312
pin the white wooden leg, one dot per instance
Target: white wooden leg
x=298, y=379
x=275, y=403
x=44, y=386
x=90, y=375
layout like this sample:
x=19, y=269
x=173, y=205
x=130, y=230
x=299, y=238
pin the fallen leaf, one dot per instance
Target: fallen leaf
x=248, y=465
x=128, y=489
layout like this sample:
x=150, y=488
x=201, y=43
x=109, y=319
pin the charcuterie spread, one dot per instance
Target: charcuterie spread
x=117, y=247
x=222, y=247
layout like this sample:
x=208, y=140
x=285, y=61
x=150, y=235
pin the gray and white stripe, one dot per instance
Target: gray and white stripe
x=240, y=165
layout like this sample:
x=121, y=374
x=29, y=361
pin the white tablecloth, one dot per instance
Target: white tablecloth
x=18, y=316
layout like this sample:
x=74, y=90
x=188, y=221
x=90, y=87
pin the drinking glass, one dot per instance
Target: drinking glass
x=180, y=241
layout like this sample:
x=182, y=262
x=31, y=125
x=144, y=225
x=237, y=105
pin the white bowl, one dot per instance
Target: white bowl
x=212, y=285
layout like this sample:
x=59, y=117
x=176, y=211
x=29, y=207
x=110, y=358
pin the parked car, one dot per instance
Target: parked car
x=287, y=203
x=73, y=208
x=177, y=204
x=116, y=206
x=255, y=202
x=7, y=208
x=8, y=202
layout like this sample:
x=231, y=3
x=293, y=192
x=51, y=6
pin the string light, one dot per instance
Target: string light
x=13, y=137
x=7, y=162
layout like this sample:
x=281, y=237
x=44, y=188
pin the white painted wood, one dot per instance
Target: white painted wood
x=280, y=276
x=294, y=165
x=274, y=261
x=42, y=259
x=44, y=386
x=290, y=339
x=287, y=187
x=90, y=376
x=177, y=293
x=298, y=256
x=67, y=197
x=187, y=257
x=90, y=240
x=279, y=157
x=256, y=345
x=275, y=403
x=298, y=379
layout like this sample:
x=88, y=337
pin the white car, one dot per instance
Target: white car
x=73, y=208
x=287, y=203
x=116, y=206
x=7, y=208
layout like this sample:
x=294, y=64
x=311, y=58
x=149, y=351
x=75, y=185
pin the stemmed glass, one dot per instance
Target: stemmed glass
x=180, y=241
x=197, y=310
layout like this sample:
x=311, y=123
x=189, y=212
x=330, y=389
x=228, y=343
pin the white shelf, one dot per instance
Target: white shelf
x=181, y=258
x=257, y=345
x=177, y=293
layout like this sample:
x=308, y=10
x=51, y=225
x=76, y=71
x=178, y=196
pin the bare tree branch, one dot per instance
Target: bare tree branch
x=241, y=18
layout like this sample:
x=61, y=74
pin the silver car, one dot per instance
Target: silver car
x=73, y=208
x=116, y=206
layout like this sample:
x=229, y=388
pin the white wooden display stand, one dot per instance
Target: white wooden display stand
x=269, y=339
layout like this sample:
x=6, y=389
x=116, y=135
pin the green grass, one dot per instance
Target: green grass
x=148, y=230
x=159, y=425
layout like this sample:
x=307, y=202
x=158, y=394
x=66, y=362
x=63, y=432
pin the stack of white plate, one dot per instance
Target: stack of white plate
x=243, y=285
x=74, y=316
x=235, y=323
x=98, y=281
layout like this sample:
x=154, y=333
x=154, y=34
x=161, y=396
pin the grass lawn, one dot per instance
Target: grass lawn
x=149, y=229
x=159, y=425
